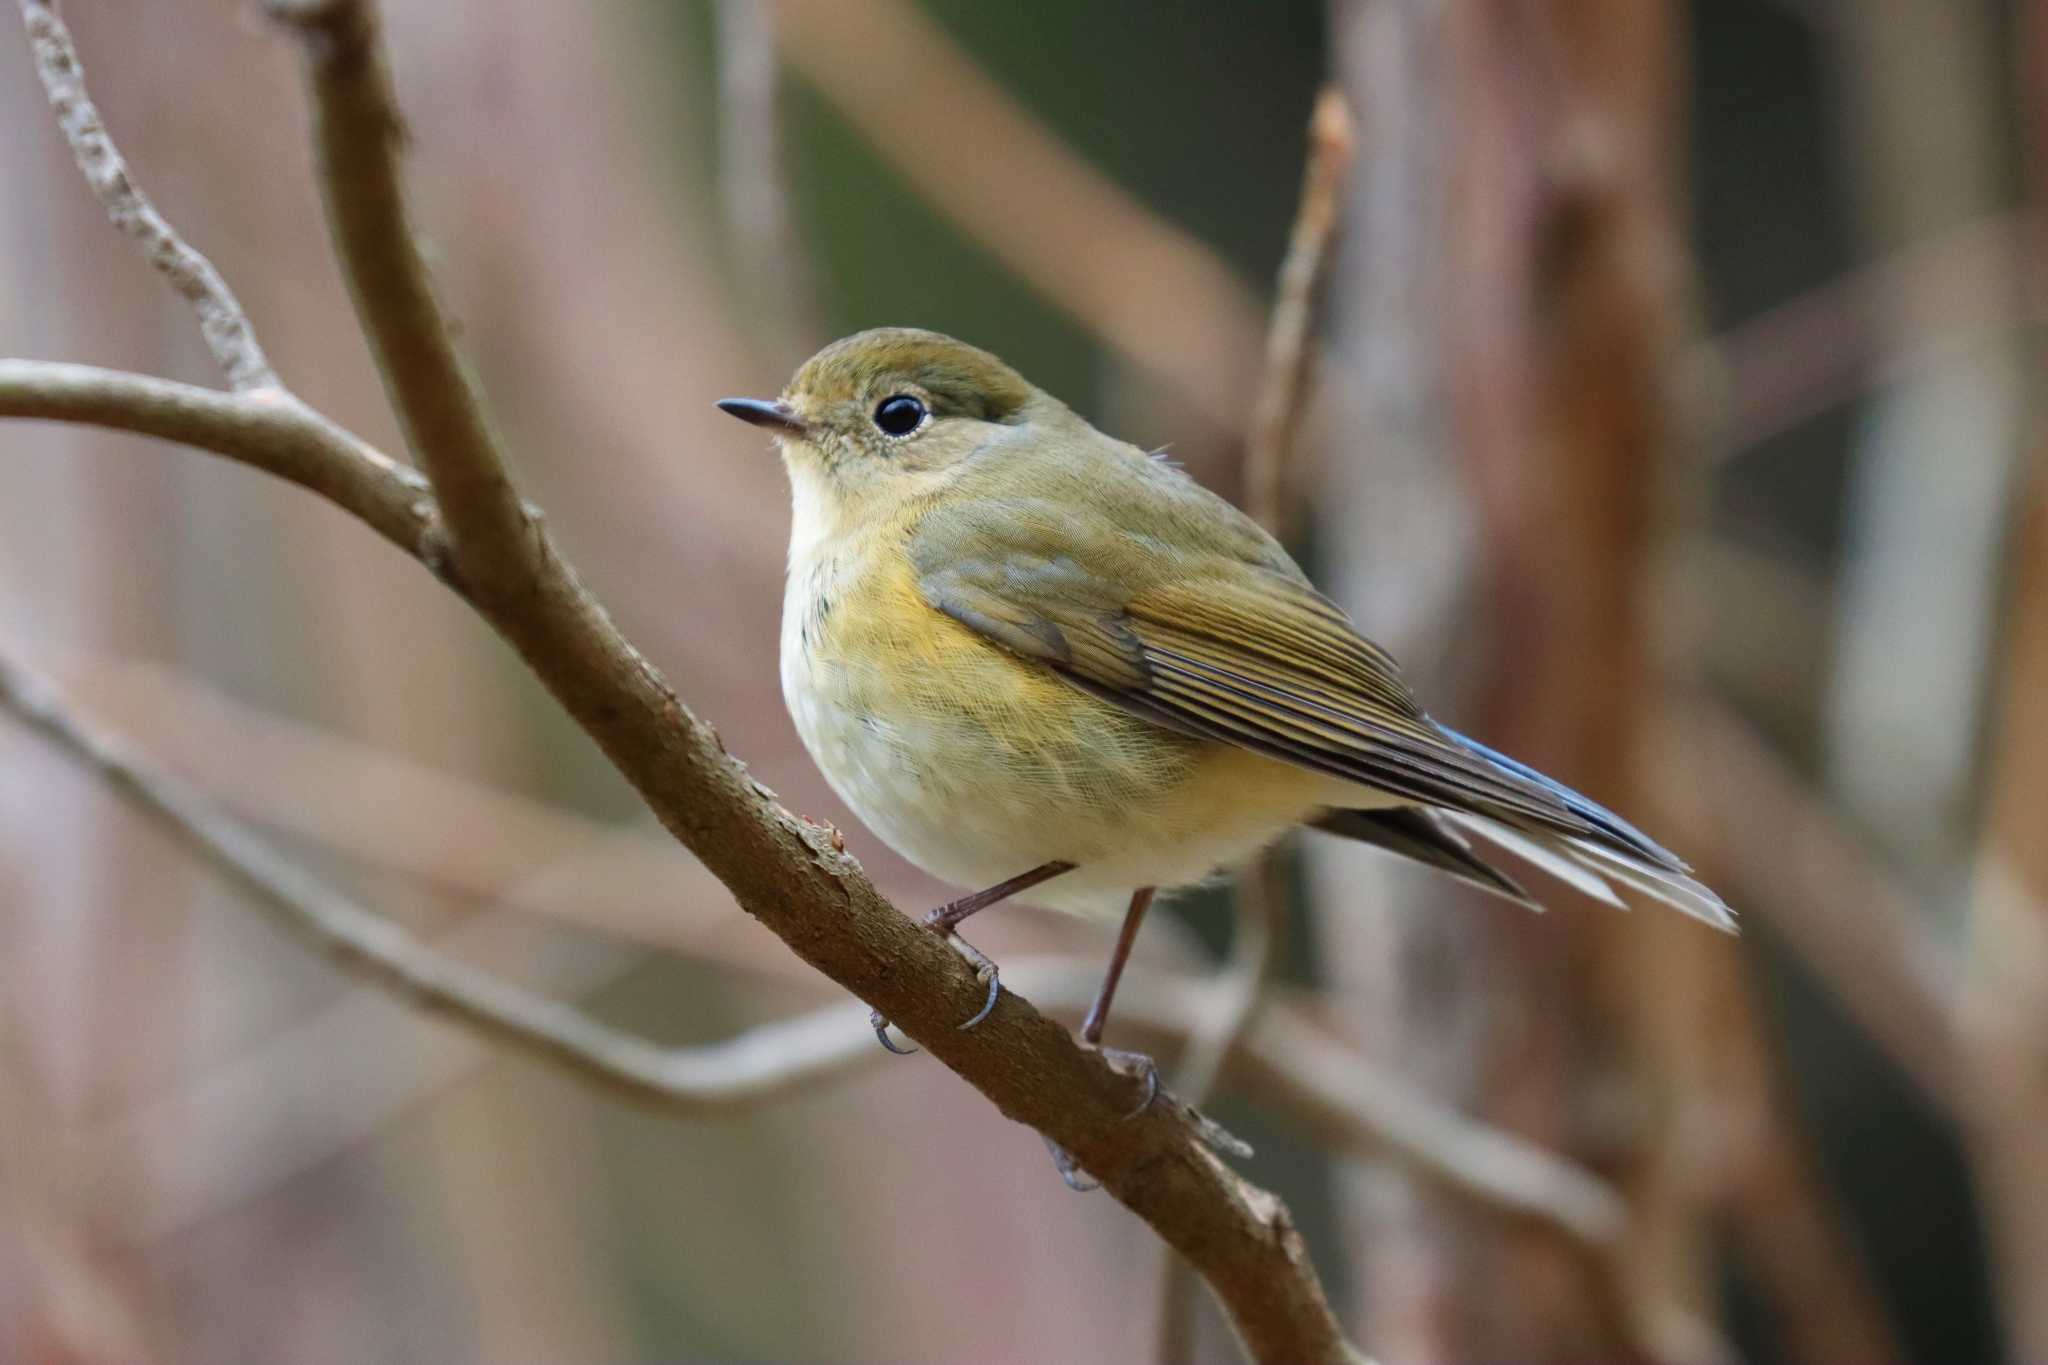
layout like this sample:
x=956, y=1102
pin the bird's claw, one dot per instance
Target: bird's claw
x=1132, y=1063
x=1207, y=1131
x=880, y=1023
x=1074, y=1177
x=985, y=970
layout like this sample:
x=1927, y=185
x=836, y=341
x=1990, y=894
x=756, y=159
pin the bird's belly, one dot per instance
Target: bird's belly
x=977, y=765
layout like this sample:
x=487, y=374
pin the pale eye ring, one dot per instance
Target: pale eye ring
x=900, y=414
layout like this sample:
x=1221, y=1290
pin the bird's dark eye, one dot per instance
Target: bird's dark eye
x=900, y=415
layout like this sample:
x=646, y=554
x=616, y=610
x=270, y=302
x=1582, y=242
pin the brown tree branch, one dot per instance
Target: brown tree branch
x=747, y=1068
x=357, y=133
x=788, y=873
x=267, y=429
x=221, y=320
x=753, y=185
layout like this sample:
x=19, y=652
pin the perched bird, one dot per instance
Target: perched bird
x=1039, y=662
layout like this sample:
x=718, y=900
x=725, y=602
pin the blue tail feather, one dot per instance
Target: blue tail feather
x=1583, y=807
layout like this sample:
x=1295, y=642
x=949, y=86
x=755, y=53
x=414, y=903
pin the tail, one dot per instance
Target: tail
x=1604, y=852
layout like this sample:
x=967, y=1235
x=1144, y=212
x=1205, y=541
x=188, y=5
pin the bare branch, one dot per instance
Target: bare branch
x=267, y=429
x=753, y=187
x=357, y=133
x=743, y=1069
x=1290, y=361
x=221, y=320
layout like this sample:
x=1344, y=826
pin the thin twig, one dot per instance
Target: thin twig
x=221, y=320
x=1269, y=489
x=747, y=1068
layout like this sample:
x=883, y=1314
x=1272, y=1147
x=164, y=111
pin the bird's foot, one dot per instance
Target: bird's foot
x=1077, y=1180
x=1207, y=1131
x=1131, y=1064
x=985, y=971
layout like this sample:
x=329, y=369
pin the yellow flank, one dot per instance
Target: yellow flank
x=977, y=764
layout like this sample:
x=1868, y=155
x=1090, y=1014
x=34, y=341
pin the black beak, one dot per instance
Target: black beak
x=777, y=416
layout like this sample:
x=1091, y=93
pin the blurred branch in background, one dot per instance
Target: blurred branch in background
x=1935, y=456
x=739, y=1070
x=1790, y=861
x=1928, y=304
x=1785, y=859
x=753, y=184
x=1147, y=287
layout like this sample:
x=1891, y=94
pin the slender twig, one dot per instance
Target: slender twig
x=1269, y=489
x=791, y=875
x=221, y=320
x=749, y=1067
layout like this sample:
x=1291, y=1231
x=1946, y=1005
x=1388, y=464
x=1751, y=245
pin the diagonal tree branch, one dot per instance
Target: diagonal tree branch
x=791, y=875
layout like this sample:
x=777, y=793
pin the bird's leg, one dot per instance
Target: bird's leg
x=1091, y=1035
x=945, y=919
x=1098, y=1013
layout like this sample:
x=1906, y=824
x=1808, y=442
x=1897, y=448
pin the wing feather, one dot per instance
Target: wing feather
x=1233, y=646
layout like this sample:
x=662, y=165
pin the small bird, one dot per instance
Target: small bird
x=1039, y=662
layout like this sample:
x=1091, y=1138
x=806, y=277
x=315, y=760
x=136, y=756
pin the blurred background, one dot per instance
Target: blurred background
x=1673, y=418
